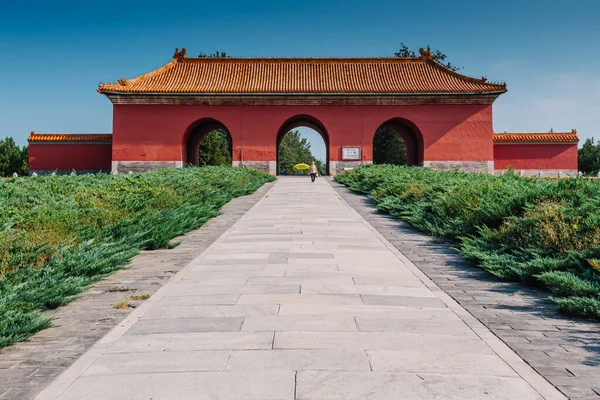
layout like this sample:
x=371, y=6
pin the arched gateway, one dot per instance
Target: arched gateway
x=444, y=118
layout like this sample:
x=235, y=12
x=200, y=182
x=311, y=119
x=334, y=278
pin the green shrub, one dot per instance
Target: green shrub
x=541, y=232
x=59, y=234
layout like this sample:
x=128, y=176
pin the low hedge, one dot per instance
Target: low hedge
x=59, y=234
x=542, y=232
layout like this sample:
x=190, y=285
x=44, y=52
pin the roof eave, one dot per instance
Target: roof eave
x=122, y=93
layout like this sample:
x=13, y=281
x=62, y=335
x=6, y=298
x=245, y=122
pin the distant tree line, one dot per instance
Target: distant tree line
x=13, y=158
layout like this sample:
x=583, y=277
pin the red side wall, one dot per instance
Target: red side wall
x=68, y=156
x=536, y=156
x=157, y=132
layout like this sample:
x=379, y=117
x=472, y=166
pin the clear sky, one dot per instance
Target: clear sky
x=54, y=53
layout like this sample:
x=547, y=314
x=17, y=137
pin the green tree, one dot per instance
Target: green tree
x=295, y=149
x=388, y=148
x=215, y=148
x=589, y=157
x=436, y=55
x=13, y=158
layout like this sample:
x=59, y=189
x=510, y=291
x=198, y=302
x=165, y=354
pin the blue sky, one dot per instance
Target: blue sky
x=54, y=54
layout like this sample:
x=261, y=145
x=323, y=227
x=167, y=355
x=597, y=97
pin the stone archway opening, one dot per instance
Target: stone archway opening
x=208, y=142
x=292, y=140
x=398, y=142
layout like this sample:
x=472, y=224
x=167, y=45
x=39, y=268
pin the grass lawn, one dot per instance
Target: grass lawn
x=59, y=234
x=541, y=232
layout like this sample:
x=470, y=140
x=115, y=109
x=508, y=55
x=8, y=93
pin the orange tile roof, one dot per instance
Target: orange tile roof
x=65, y=137
x=419, y=75
x=546, y=137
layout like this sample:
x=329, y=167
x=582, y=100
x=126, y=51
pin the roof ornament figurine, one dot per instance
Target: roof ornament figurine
x=425, y=53
x=179, y=55
x=122, y=81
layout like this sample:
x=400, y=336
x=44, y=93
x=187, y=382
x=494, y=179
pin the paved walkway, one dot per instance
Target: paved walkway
x=300, y=299
x=564, y=350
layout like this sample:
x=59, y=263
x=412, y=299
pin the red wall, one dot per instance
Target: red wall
x=157, y=132
x=535, y=156
x=46, y=156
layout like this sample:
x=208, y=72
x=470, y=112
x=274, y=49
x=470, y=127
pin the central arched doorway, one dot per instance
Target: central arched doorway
x=208, y=142
x=398, y=142
x=291, y=133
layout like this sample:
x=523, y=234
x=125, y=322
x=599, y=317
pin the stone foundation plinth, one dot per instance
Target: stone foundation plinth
x=465, y=166
x=67, y=171
x=270, y=167
x=552, y=173
x=338, y=167
x=123, y=167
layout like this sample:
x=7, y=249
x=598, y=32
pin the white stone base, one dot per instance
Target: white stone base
x=123, y=167
x=546, y=173
x=466, y=166
x=338, y=167
x=269, y=167
x=41, y=172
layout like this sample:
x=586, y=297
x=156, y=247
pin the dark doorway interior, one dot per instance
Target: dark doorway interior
x=396, y=142
x=209, y=143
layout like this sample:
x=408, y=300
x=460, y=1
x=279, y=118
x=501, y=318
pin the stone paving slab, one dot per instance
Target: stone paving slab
x=159, y=362
x=293, y=360
x=260, y=385
x=389, y=385
x=566, y=351
x=299, y=327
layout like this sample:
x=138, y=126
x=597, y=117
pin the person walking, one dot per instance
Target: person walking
x=313, y=171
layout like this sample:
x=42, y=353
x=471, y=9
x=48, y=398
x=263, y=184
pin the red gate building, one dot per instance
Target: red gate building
x=444, y=117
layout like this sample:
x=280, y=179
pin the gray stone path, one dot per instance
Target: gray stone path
x=300, y=299
x=26, y=368
x=566, y=351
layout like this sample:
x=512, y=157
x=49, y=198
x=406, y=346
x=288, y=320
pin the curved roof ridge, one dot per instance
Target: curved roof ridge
x=426, y=56
x=277, y=75
x=307, y=59
x=147, y=75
